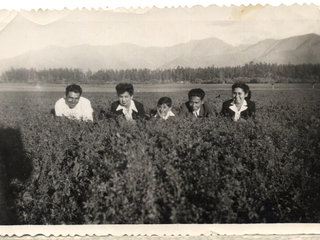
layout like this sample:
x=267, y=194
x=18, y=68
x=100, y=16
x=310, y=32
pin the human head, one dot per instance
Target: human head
x=73, y=94
x=197, y=92
x=165, y=100
x=124, y=87
x=125, y=93
x=73, y=88
x=196, y=98
x=164, y=105
x=240, y=92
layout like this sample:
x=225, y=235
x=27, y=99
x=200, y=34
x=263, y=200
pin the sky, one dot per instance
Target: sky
x=141, y=26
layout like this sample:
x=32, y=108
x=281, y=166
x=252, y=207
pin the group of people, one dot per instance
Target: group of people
x=74, y=106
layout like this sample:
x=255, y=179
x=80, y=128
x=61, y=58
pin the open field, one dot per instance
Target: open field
x=58, y=171
x=4, y=87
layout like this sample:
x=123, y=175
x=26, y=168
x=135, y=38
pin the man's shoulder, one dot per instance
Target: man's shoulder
x=185, y=106
x=60, y=102
x=115, y=104
x=184, y=110
x=84, y=100
x=207, y=104
x=138, y=104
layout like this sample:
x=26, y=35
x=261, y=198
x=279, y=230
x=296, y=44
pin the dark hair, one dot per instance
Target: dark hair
x=165, y=100
x=124, y=87
x=244, y=87
x=197, y=92
x=73, y=88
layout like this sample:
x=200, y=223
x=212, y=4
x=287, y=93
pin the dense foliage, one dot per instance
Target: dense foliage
x=175, y=171
x=252, y=72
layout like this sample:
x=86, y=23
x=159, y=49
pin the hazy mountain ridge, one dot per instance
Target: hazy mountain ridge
x=196, y=53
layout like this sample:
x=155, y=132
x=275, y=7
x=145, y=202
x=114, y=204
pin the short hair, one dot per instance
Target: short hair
x=73, y=88
x=244, y=87
x=197, y=92
x=165, y=100
x=124, y=87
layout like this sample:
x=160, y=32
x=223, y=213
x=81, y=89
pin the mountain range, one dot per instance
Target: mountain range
x=195, y=53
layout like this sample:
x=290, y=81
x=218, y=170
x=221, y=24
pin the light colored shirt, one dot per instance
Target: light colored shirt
x=82, y=111
x=169, y=114
x=196, y=113
x=237, y=112
x=128, y=111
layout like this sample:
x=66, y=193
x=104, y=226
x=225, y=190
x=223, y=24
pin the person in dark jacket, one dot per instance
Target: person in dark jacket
x=196, y=107
x=126, y=106
x=240, y=106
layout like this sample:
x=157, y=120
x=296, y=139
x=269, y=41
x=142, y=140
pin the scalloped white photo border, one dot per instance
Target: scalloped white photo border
x=111, y=4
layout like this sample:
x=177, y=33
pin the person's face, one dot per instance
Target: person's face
x=125, y=99
x=238, y=95
x=72, y=99
x=195, y=103
x=163, y=109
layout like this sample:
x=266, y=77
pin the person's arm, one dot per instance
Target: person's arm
x=87, y=112
x=58, y=109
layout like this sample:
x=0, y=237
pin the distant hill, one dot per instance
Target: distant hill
x=196, y=53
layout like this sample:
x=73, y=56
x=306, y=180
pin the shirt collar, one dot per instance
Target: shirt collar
x=244, y=106
x=132, y=107
x=169, y=114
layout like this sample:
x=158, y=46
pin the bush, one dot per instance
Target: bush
x=175, y=171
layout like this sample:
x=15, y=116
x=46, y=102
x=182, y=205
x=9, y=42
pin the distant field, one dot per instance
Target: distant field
x=147, y=87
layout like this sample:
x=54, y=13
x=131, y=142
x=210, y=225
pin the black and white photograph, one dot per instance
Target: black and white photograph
x=179, y=117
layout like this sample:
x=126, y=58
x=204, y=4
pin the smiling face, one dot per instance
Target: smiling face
x=125, y=99
x=163, y=109
x=238, y=95
x=195, y=103
x=72, y=99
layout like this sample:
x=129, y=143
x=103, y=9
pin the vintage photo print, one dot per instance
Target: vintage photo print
x=186, y=118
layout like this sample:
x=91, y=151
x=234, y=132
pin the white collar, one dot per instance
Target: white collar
x=169, y=114
x=132, y=107
x=237, y=112
x=243, y=107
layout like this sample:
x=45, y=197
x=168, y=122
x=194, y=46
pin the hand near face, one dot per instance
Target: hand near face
x=163, y=110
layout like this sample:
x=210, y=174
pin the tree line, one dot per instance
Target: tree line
x=251, y=73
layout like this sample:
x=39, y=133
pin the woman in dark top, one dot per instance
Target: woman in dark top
x=240, y=106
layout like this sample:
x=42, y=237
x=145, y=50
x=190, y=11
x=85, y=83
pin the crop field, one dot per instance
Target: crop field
x=59, y=171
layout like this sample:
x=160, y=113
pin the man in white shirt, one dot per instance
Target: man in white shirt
x=73, y=106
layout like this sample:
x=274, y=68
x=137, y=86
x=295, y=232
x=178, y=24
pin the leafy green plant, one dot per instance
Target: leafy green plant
x=175, y=171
